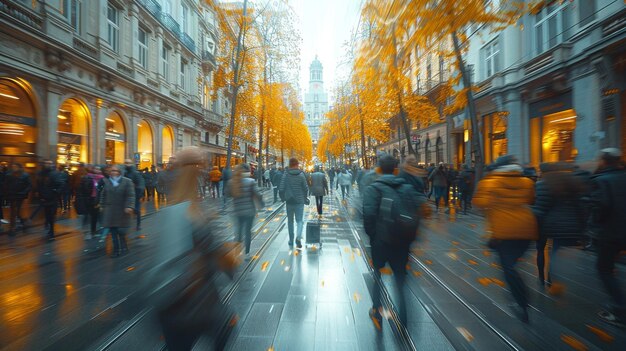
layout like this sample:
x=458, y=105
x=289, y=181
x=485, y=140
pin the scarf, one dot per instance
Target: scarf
x=115, y=181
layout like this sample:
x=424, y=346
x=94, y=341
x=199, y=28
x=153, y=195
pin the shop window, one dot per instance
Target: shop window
x=115, y=139
x=144, y=144
x=18, y=131
x=167, y=145
x=494, y=135
x=552, y=137
x=73, y=133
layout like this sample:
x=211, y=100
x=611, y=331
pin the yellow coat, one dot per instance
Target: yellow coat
x=506, y=196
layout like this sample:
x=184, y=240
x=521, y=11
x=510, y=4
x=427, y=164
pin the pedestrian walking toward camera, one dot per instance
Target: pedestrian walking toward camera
x=246, y=201
x=391, y=214
x=149, y=179
x=17, y=186
x=608, y=200
x=130, y=172
x=506, y=196
x=117, y=201
x=560, y=216
x=295, y=192
x=48, y=190
x=344, y=179
x=319, y=188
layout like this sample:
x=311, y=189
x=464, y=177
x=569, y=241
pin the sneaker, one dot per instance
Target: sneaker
x=610, y=318
x=298, y=243
x=376, y=318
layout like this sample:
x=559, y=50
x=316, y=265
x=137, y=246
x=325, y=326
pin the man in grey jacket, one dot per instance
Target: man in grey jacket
x=295, y=192
x=319, y=188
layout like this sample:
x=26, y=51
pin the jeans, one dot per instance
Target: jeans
x=295, y=211
x=397, y=256
x=466, y=199
x=319, y=200
x=332, y=182
x=440, y=192
x=118, y=236
x=215, y=189
x=91, y=216
x=608, y=251
x=150, y=192
x=509, y=251
x=345, y=190
x=541, y=260
x=275, y=193
x=138, y=195
x=50, y=212
x=244, y=230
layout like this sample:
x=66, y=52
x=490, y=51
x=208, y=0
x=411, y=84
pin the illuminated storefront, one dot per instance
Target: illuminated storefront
x=115, y=139
x=552, y=126
x=494, y=135
x=18, y=122
x=167, y=144
x=73, y=133
x=144, y=144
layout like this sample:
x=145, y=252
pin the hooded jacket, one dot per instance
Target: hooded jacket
x=131, y=173
x=295, y=180
x=506, y=195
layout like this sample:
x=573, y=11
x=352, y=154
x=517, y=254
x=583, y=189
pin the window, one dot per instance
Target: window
x=72, y=11
x=165, y=64
x=167, y=6
x=490, y=54
x=183, y=71
x=113, y=33
x=550, y=25
x=142, y=42
x=586, y=11
x=315, y=98
x=184, y=19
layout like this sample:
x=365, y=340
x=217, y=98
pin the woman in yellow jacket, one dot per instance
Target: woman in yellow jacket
x=506, y=195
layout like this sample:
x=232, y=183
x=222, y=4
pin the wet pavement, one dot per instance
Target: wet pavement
x=69, y=296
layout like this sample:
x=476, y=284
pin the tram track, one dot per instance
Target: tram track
x=121, y=332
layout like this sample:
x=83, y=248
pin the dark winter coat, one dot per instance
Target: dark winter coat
x=149, y=178
x=245, y=204
x=114, y=201
x=466, y=180
x=439, y=177
x=16, y=186
x=559, y=214
x=416, y=182
x=296, y=181
x=277, y=178
x=608, y=201
x=50, y=185
x=137, y=179
x=319, y=184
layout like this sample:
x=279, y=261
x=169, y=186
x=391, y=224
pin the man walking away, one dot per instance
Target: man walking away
x=266, y=178
x=344, y=179
x=608, y=200
x=331, y=176
x=439, y=181
x=117, y=200
x=139, y=184
x=215, y=176
x=65, y=198
x=391, y=213
x=294, y=191
x=466, y=187
x=319, y=188
x=17, y=185
x=276, y=179
x=49, y=187
x=149, y=179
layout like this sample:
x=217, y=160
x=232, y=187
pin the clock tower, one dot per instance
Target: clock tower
x=315, y=100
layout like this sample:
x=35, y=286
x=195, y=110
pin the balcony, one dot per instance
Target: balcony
x=170, y=23
x=208, y=61
x=213, y=118
x=152, y=6
x=22, y=13
x=188, y=42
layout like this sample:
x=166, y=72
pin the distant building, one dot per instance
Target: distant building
x=315, y=100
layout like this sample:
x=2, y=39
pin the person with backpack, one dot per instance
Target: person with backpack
x=391, y=213
x=319, y=188
x=294, y=191
x=506, y=195
x=130, y=172
x=215, y=176
x=331, y=176
x=608, y=203
x=243, y=189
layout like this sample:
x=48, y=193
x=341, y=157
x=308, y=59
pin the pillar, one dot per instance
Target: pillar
x=586, y=97
x=517, y=126
x=134, y=37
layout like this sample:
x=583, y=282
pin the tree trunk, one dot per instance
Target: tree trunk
x=259, y=152
x=235, y=88
x=471, y=107
x=401, y=112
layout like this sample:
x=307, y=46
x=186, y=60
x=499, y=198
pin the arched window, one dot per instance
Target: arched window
x=427, y=152
x=439, y=150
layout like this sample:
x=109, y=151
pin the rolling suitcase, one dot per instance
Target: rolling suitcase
x=313, y=233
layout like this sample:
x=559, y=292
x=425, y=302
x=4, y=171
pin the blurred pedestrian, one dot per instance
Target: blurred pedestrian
x=429, y=183
x=48, y=189
x=412, y=174
x=65, y=197
x=560, y=217
x=608, y=200
x=276, y=178
x=439, y=181
x=246, y=201
x=130, y=172
x=17, y=186
x=266, y=178
x=215, y=176
x=149, y=179
x=117, y=201
x=466, y=182
x=391, y=211
x=161, y=183
x=506, y=195
x=344, y=179
x=295, y=192
x=87, y=196
x=3, y=173
x=319, y=188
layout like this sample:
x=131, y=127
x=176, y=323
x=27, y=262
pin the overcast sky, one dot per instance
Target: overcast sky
x=325, y=26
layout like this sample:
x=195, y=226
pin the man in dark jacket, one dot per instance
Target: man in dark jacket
x=49, y=188
x=295, y=192
x=140, y=186
x=17, y=186
x=331, y=176
x=608, y=200
x=389, y=244
x=439, y=181
x=149, y=178
x=277, y=177
x=466, y=187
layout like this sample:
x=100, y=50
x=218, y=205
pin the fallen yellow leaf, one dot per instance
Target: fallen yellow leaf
x=455, y=242
x=495, y=265
x=357, y=297
x=428, y=262
x=498, y=282
x=282, y=262
x=131, y=268
x=487, y=253
x=417, y=273
x=472, y=262
x=484, y=281
x=574, y=343
x=264, y=266
x=385, y=270
x=466, y=334
x=604, y=336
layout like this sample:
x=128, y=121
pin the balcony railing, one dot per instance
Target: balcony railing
x=21, y=13
x=188, y=42
x=213, y=117
x=208, y=57
x=152, y=6
x=170, y=23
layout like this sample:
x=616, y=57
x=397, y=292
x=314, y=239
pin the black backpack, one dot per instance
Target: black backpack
x=399, y=209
